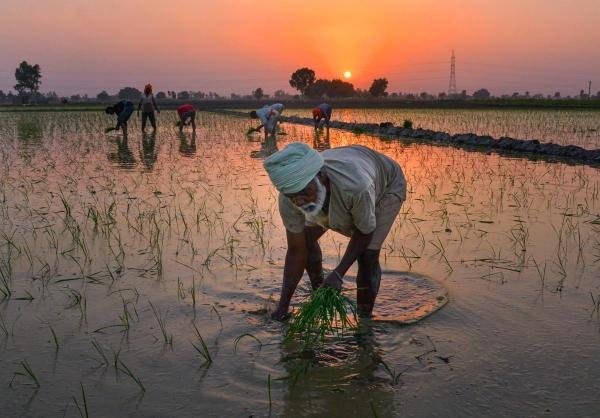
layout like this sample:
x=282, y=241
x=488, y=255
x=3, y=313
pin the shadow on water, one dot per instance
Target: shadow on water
x=149, y=151
x=267, y=147
x=347, y=377
x=187, y=149
x=123, y=157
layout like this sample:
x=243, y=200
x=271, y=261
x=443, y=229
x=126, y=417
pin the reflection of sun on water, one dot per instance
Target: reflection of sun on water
x=347, y=74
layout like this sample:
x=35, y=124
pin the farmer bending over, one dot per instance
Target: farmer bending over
x=352, y=190
x=268, y=115
x=187, y=115
x=123, y=110
x=323, y=111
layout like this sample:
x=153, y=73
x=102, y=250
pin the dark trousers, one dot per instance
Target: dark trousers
x=146, y=116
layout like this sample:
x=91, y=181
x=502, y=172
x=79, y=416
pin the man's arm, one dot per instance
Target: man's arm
x=295, y=260
x=357, y=245
x=155, y=106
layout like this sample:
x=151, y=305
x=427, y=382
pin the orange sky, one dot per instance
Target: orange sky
x=237, y=45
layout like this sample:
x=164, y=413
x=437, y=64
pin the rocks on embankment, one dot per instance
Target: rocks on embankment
x=531, y=146
x=468, y=140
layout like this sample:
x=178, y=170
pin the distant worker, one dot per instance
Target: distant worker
x=323, y=111
x=187, y=115
x=148, y=106
x=268, y=115
x=123, y=110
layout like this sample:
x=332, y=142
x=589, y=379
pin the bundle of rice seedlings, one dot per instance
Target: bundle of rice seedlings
x=326, y=312
x=109, y=129
x=251, y=130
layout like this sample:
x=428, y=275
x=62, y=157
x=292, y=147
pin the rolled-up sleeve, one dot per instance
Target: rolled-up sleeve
x=363, y=210
x=293, y=219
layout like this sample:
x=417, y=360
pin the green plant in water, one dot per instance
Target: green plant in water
x=202, y=348
x=408, y=124
x=83, y=408
x=326, y=312
x=27, y=372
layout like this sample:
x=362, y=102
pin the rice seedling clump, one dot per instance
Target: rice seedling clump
x=327, y=312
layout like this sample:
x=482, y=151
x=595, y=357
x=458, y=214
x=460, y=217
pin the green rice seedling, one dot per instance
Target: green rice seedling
x=214, y=308
x=407, y=124
x=193, y=294
x=269, y=387
x=109, y=129
x=127, y=315
x=395, y=376
x=3, y=326
x=123, y=367
x=202, y=348
x=325, y=312
x=28, y=296
x=116, y=355
x=5, y=285
x=162, y=323
x=100, y=351
x=76, y=298
x=239, y=337
x=26, y=372
x=180, y=290
x=83, y=409
x=54, y=338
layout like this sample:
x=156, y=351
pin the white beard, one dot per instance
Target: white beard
x=312, y=210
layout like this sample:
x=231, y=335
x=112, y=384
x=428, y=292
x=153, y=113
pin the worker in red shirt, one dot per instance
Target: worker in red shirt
x=187, y=115
x=323, y=111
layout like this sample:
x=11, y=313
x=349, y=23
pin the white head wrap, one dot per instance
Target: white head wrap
x=292, y=168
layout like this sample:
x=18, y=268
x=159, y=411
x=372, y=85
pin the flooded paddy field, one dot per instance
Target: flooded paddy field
x=563, y=127
x=136, y=278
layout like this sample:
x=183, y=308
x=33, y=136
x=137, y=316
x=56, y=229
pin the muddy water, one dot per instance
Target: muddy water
x=119, y=248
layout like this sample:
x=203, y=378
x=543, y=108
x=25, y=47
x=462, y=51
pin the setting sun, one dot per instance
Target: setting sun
x=347, y=74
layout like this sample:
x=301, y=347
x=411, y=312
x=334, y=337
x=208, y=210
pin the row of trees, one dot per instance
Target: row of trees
x=29, y=79
x=304, y=80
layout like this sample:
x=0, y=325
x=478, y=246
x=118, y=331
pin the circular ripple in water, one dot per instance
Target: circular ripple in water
x=407, y=297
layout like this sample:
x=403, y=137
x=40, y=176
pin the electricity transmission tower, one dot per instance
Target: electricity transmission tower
x=452, y=85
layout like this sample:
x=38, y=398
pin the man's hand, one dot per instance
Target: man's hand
x=333, y=279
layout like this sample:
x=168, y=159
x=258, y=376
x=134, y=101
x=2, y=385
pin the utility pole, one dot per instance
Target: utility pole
x=590, y=90
x=452, y=85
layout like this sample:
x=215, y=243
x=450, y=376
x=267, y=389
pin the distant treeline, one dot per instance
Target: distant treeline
x=299, y=103
x=310, y=90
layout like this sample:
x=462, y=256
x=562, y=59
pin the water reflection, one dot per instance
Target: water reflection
x=267, y=147
x=149, y=151
x=187, y=149
x=321, y=140
x=339, y=379
x=123, y=156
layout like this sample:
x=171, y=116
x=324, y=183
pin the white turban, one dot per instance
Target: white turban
x=292, y=168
